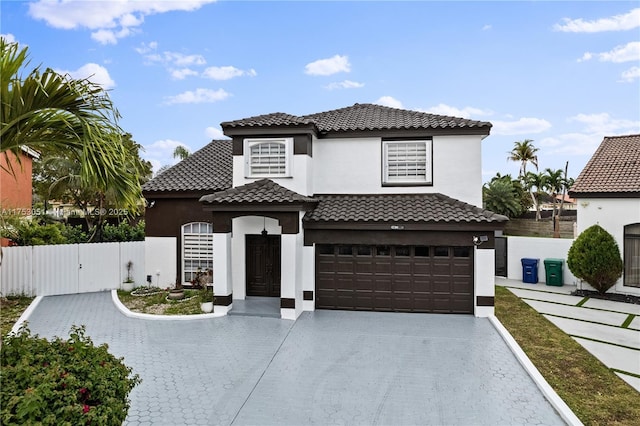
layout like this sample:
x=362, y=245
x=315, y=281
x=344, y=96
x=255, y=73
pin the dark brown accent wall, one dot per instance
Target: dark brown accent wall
x=485, y=300
x=223, y=300
x=287, y=303
x=289, y=221
x=166, y=217
x=430, y=238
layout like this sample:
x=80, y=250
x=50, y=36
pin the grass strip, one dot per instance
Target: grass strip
x=594, y=392
x=11, y=307
x=582, y=302
x=628, y=321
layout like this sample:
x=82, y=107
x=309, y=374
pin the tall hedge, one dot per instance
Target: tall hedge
x=594, y=257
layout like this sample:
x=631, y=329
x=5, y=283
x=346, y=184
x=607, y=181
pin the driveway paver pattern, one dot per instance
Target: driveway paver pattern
x=328, y=367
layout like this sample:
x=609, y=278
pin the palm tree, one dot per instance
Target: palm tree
x=524, y=152
x=555, y=182
x=531, y=181
x=47, y=111
x=500, y=197
x=181, y=152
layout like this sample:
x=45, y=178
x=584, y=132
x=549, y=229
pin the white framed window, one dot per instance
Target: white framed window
x=406, y=162
x=268, y=157
x=197, y=249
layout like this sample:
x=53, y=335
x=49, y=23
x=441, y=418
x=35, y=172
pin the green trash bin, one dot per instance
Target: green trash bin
x=553, y=271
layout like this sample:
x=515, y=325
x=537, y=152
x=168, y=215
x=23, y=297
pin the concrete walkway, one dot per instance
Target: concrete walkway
x=328, y=367
x=610, y=331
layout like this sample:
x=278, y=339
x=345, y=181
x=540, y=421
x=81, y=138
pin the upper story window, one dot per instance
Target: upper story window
x=268, y=157
x=406, y=162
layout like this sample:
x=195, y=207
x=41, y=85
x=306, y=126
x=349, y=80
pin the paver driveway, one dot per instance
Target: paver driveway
x=329, y=367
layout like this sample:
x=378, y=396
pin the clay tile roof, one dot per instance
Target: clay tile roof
x=360, y=117
x=378, y=117
x=258, y=192
x=398, y=208
x=613, y=168
x=267, y=120
x=208, y=169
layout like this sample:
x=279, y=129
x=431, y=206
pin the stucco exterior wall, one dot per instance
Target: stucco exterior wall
x=300, y=180
x=242, y=226
x=538, y=248
x=484, y=279
x=612, y=214
x=160, y=261
x=354, y=166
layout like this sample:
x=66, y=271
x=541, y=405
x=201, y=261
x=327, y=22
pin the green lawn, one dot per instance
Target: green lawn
x=11, y=308
x=594, y=393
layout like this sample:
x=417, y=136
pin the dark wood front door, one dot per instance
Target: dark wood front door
x=263, y=265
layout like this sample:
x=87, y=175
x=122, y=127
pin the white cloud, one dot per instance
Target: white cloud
x=182, y=60
x=110, y=20
x=603, y=124
x=160, y=152
x=146, y=47
x=389, y=101
x=328, y=66
x=486, y=27
x=624, y=53
x=570, y=144
x=9, y=38
x=630, y=75
x=522, y=126
x=226, y=73
x=94, y=73
x=586, y=140
x=346, y=84
x=628, y=21
x=198, y=96
x=182, y=73
x=214, y=133
x=466, y=112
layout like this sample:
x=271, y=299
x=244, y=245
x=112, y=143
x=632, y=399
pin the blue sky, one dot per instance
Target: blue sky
x=564, y=74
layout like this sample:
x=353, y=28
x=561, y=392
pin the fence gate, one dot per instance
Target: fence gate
x=501, y=256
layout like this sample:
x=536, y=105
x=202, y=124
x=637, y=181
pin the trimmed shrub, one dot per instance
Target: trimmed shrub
x=595, y=258
x=62, y=382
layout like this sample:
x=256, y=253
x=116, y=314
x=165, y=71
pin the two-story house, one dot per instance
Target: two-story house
x=361, y=208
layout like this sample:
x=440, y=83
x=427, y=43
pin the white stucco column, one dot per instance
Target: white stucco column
x=289, y=296
x=222, y=283
x=485, y=271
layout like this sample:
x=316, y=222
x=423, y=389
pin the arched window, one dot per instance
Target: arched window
x=632, y=255
x=197, y=249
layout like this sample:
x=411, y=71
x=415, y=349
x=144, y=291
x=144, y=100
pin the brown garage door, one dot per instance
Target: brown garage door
x=394, y=278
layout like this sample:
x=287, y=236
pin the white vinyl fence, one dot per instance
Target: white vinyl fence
x=69, y=268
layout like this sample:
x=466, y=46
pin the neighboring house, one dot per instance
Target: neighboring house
x=16, y=183
x=360, y=208
x=607, y=193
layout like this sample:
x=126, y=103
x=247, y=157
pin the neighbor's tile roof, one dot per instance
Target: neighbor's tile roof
x=258, y=192
x=208, y=169
x=398, y=208
x=362, y=117
x=613, y=168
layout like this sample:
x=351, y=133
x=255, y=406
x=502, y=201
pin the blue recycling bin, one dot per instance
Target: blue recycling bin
x=530, y=270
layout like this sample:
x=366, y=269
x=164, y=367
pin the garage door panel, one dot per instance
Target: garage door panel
x=395, y=278
x=402, y=285
x=364, y=267
x=363, y=283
